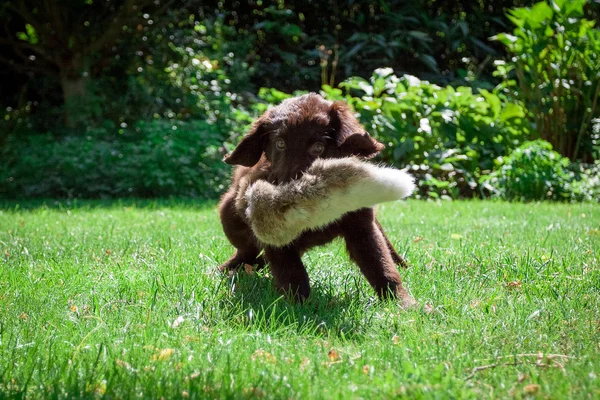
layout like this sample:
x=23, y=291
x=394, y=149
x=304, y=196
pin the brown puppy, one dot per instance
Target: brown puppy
x=280, y=146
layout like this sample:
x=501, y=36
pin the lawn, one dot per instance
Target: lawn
x=122, y=300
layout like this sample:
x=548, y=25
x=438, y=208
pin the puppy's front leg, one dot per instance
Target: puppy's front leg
x=368, y=248
x=239, y=234
x=288, y=271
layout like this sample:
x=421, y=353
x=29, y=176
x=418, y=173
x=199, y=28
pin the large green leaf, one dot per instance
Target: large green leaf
x=505, y=38
x=430, y=62
x=540, y=14
x=493, y=101
x=511, y=110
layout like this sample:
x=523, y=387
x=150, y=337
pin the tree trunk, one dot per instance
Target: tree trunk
x=73, y=81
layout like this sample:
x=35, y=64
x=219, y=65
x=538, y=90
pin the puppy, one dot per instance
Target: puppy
x=280, y=146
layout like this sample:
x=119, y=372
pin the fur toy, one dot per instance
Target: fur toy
x=330, y=188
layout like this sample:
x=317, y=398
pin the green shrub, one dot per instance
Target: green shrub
x=586, y=186
x=555, y=71
x=151, y=159
x=534, y=172
x=450, y=136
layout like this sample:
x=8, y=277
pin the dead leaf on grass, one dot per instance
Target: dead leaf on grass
x=333, y=355
x=253, y=392
x=304, y=363
x=123, y=364
x=193, y=376
x=164, y=354
x=264, y=356
x=531, y=389
x=513, y=285
x=522, y=378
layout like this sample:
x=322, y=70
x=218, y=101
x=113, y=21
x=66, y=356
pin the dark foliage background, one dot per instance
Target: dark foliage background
x=142, y=98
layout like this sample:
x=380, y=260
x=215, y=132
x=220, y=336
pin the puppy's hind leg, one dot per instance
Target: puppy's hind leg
x=397, y=258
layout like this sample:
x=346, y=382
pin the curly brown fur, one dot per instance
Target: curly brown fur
x=281, y=145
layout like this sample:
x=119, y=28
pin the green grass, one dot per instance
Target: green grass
x=89, y=293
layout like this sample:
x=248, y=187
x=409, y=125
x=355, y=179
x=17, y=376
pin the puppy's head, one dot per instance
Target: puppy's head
x=295, y=133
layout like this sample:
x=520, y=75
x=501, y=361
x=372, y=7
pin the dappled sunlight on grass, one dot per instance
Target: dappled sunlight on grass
x=123, y=299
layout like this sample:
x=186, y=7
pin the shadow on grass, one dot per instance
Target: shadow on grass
x=95, y=204
x=254, y=304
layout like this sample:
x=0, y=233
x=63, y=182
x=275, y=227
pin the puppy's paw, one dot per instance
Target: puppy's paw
x=227, y=268
x=407, y=302
x=295, y=293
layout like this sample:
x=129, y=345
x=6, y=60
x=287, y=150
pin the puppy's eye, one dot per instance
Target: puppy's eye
x=317, y=148
x=280, y=144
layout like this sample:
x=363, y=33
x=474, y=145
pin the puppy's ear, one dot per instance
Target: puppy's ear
x=362, y=145
x=250, y=149
x=351, y=137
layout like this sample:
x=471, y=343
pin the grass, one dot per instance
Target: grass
x=121, y=300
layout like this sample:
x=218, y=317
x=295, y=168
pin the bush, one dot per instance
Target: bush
x=152, y=159
x=555, y=71
x=536, y=172
x=586, y=186
x=450, y=136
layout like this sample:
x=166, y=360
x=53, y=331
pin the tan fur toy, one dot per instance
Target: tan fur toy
x=330, y=188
